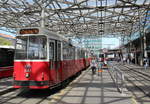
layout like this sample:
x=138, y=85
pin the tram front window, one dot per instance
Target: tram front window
x=21, y=48
x=31, y=47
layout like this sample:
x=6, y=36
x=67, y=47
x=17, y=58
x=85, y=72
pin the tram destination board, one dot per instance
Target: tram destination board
x=29, y=31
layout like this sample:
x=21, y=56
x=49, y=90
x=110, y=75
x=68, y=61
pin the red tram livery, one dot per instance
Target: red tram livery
x=44, y=59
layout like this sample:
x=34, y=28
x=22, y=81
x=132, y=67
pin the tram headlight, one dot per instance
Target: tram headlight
x=27, y=75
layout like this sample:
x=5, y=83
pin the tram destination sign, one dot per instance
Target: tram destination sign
x=29, y=31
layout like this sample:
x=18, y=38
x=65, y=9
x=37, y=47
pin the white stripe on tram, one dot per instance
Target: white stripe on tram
x=31, y=60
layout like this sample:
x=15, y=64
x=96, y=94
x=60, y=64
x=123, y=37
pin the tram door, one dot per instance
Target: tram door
x=55, y=60
x=52, y=59
x=58, y=61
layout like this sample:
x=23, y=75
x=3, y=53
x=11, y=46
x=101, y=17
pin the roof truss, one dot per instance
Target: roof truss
x=78, y=17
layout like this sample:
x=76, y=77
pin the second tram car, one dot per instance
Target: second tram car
x=6, y=61
x=44, y=59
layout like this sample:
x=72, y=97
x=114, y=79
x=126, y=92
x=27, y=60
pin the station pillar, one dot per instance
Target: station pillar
x=142, y=53
x=145, y=45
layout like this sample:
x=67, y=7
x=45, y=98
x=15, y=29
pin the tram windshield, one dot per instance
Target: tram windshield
x=31, y=47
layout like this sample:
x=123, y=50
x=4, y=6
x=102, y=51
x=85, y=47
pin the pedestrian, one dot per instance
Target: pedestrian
x=145, y=62
x=124, y=60
x=128, y=60
x=93, y=66
x=100, y=64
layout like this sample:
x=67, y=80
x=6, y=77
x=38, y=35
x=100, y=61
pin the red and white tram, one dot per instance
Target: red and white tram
x=44, y=59
x=6, y=61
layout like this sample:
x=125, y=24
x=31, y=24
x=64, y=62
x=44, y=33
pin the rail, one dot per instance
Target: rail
x=118, y=77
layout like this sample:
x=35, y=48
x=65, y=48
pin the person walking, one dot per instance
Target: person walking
x=145, y=62
x=100, y=64
x=93, y=66
x=124, y=60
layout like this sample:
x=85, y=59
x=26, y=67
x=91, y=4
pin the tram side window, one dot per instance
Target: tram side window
x=79, y=54
x=73, y=53
x=68, y=51
x=58, y=51
x=51, y=50
x=65, y=50
x=42, y=48
x=82, y=54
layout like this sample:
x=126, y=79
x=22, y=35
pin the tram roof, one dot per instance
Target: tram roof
x=43, y=31
x=76, y=17
x=7, y=47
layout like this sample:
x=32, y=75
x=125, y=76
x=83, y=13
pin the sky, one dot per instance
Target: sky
x=7, y=33
x=110, y=43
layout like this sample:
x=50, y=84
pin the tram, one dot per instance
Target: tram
x=44, y=59
x=6, y=61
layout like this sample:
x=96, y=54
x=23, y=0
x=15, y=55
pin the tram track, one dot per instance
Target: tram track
x=138, y=83
x=33, y=96
x=25, y=95
x=138, y=79
x=7, y=91
x=6, y=85
x=139, y=70
x=143, y=81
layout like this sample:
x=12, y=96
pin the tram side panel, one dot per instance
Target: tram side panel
x=68, y=65
x=55, y=73
x=78, y=60
x=81, y=59
x=6, y=71
x=67, y=69
x=87, y=59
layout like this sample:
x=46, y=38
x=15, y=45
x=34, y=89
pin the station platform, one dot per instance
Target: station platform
x=91, y=89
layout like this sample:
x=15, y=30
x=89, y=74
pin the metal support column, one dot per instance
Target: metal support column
x=135, y=54
x=145, y=45
x=141, y=40
x=42, y=18
x=129, y=48
x=144, y=35
x=129, y=45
